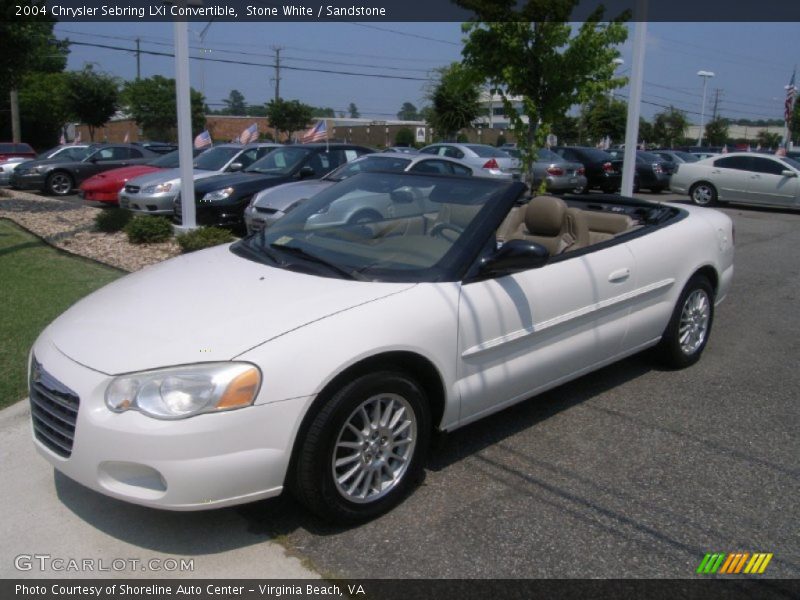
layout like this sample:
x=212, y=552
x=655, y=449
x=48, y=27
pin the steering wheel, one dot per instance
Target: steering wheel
x=440, y=228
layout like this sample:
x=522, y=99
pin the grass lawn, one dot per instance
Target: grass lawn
x=37, y=283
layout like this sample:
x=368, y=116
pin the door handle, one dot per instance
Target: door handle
x=619, y=275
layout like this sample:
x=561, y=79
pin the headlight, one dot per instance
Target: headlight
x=157, y=189
x=181, y=392
x=217, y=195
x=39, y=169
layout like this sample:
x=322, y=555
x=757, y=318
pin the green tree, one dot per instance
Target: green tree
x=151, y=102
x=353, y=110
x=716, y=133
x=288, y=115
x=43, y=107
x=92, y=97
x=534, y=54
x=606, y=118
x=234, y=104
x=768, y=139
x=323, y=112
x=408, y=112
x=256, y=110
x=404, y=137
x=454, y=100
x=565, y=128
x=646, y=131
x=794, y=126
x=669, y=127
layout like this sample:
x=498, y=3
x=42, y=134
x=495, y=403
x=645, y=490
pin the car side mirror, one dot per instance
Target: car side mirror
x=305, y=172
x=789, y=173
x=514, y=256
x=402, y=196
x=237, y=166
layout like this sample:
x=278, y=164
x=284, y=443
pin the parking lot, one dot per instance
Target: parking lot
x=632, y=471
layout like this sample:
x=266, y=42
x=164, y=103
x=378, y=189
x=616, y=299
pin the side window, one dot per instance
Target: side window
x=105, y=154
x=430, y=150
x=134, y=153
x=431, y=166
x=247, y=157
x=741, y=163
x=451, y=152
x=767, y=166
x=315, y=161
x=460, y=169
x=263, y=151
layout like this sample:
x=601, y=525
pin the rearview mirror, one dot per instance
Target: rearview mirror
x=515, y=256
x=789, y=173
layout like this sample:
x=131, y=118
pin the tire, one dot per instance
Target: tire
x=703, y=194
x=59, y=183
x=364, y=216
x=337, y=464
x=687, y=333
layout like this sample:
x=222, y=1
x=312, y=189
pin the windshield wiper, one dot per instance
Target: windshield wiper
x=311, y=257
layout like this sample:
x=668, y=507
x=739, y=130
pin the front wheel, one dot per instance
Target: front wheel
x=703, y=194
x=687, y=333
x=365, y=448
x=59, y=183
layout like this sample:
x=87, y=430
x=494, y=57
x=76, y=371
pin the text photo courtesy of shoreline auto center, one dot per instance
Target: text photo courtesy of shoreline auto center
x=397, y=300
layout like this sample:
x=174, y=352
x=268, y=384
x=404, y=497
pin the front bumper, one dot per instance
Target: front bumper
x=207, y=461
x=28, y=181
x=148, y=204
x=96, y=196
x=229, y=215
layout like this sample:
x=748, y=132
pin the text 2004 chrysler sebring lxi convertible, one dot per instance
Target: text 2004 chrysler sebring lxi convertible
x=321, y=357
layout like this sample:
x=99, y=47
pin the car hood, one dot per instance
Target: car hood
x=238, y=180
x=118, y=176
x=49, y=162
x=166, y=175
x=206, y=306
x=281, y=197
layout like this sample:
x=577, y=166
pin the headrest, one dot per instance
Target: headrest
x=545, y=215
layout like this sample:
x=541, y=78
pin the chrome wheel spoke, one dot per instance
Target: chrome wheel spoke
x=694, y=320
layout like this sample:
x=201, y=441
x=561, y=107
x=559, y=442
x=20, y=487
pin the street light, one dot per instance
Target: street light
x=617, y=62
x=705, y=75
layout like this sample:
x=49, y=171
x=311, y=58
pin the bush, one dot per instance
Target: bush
x=204, y=237
x=111, y=220
x=148, y=230
x=462, y=138
x=404, y=137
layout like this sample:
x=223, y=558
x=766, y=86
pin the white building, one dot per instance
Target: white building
x=495, y=115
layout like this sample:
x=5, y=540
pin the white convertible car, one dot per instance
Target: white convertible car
x=321, y=358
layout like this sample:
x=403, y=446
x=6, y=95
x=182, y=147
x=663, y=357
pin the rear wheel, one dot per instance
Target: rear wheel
x=703, y=194
x=687, y=333
x=59, y=183
x=365, y=448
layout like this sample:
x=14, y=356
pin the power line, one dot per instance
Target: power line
x=407, y=34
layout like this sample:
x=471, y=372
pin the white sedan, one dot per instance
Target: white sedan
x=321, y=358
x=745, y=177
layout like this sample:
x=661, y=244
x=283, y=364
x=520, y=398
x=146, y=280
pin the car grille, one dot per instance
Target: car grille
x=54, y=410
x=132, y=189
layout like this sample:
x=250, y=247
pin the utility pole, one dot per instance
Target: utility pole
x=16, y=130
x=717, y=93
x=138, y=61
x=277, y=50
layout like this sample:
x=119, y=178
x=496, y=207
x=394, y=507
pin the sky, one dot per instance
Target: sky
x=752, y=62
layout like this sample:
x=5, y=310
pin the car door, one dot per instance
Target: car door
x=768, y=185
x=731, y=177
x=522, y=333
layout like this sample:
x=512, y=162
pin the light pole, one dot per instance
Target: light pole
x=705, y=75
x=617, y=62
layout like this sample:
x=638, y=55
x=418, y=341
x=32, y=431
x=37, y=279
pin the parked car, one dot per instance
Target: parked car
x=105, y=187
x=12, y=150
x=155, y=193
x=321, y=359
x=652, y=172
x=64, y=152
x=158, y=147
x=558, y=174
x=269, y=205
x=603, y=171
x=7, y=167
x=675, y=157
x=740, y=177
x=60, y=176
x=795, y=154
x=221, y=200
x=483, y=158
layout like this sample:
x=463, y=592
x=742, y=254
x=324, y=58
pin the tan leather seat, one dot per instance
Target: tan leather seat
x=550, y=222
x=605, y=226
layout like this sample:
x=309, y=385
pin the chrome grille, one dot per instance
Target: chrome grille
x=54, y=410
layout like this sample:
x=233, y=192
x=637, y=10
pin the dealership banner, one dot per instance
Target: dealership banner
x=384, y=10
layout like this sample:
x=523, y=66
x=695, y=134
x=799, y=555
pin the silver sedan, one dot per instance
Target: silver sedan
x=273, y=203
x=484, y=159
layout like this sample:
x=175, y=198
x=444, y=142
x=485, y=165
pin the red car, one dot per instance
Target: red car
x=9, y=150
x=105, y=187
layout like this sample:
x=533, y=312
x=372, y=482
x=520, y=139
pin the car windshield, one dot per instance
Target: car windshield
x=486, y=151
x=596, y=155
x=420, y=228
x=648, y=157
x=281, y=161
x=70, y=153
x=368, y=164
x=543, y=154
x=686, y=156
x=214, y=159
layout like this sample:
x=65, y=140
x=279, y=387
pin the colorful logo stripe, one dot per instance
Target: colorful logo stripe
x=734, y=563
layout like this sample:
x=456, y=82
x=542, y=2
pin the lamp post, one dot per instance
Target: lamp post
x=705, y=75
x=617, y=62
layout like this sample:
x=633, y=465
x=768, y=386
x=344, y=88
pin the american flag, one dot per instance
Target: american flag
x=316, y=133
x=249, y=135
x=203, y=140
x=788, y=106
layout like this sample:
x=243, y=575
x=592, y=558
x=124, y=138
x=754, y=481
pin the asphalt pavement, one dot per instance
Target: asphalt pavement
x=632, y=471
